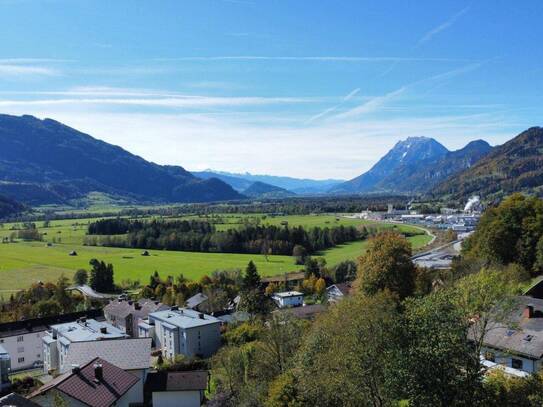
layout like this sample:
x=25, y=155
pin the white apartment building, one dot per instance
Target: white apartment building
x=182, y=332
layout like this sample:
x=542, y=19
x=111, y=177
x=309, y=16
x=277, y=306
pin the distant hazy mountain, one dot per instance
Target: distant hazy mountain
x=515, y=166
x=44, y=161
x=302, y=186
x=9, y=207
x=406, y=155
x=239, y=184
x=262, y=190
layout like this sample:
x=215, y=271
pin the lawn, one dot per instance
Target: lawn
x=22, y=263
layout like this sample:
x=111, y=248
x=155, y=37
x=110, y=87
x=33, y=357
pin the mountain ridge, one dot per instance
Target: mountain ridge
x=60, y=163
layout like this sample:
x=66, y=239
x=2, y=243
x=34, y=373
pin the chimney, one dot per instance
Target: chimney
x=175, y=308
x=76, y=369
x=103, y=330
x=130, y=302
x=200, y=315
x=137, y=306
x=528, y=311
x=98, y=372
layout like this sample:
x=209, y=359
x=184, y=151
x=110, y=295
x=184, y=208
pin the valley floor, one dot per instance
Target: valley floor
x=22, y=263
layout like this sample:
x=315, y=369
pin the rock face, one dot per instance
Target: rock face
x=407, y=158
x=516, y=166
x=44, y=161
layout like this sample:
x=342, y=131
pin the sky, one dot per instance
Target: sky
x=303, y=88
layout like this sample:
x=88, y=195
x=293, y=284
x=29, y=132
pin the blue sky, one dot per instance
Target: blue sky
x=316, y=89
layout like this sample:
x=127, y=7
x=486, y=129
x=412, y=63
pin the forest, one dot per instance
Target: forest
x=201, y=236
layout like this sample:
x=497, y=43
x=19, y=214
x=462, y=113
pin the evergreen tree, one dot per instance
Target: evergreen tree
x=251, y=280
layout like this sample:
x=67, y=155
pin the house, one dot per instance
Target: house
x=16, y=400
x=98, y=383
x=337, y=292
x=196, y=301
x=176, y=389
x=23, y=339
x=308, y=312
x=57, y=342
x=288, y=299
x=125, y=314
x=519, y=343
x=5, y=368
x=183, y=332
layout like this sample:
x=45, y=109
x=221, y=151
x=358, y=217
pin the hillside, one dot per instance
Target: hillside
x=263, y=190
x=516, y=166
x=9, y=207
x=44, y=161
x=302, y=186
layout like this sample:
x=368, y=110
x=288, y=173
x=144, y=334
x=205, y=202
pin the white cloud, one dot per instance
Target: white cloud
x=334, y=108
x=19, y=70
x=442, y=27
x=318, y=58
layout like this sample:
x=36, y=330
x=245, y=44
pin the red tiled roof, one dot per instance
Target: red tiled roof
x=84, y=387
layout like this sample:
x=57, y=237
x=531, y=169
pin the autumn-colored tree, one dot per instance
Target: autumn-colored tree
x=387, y=265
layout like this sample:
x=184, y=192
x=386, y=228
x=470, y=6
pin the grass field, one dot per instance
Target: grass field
x=22, y=263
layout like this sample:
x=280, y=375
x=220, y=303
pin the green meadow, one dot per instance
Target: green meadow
x=22, y=263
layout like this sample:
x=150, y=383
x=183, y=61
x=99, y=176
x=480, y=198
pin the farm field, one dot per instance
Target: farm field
x=22, y=263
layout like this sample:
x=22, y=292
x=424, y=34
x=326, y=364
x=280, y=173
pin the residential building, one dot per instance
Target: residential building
x=57, y=341
x=517, y=344
x=126, y=314
x=98, y=383
x=183, y=332
x=16, y=400
x=288, y=299
x=176, y=389
x=5, y=368
x=337, y=292
x=196, y=301
x=23, y=339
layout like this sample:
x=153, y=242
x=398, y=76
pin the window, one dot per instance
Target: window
x=20, y=360
x=516, y=363
x=20, y=338
x=38, y=356
x=490, y=356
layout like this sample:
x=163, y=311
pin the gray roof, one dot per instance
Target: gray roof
x=128, y=354
x=288, y=294
x=305, y=312
x=123, y=308
x=87, y=330
x=196, y=300
x=523, y=336
x=177, y=381
x=184, y=318
x=15, y=400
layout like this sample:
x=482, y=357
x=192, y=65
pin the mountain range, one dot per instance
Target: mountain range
x=414, y=166
x=47, y=162
x=299, y=186
x=44, y=161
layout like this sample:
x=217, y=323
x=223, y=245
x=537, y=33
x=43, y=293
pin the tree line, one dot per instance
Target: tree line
x=202, y=236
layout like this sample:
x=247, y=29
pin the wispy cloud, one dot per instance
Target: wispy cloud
x=18, y=67
x=334, y=108
x=442, y=27
x=319, y=58
x=372, y=105
x=378, y=102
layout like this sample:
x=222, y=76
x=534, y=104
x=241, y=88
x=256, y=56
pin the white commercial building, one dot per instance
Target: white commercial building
x=288, y=299
x=182, y=332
